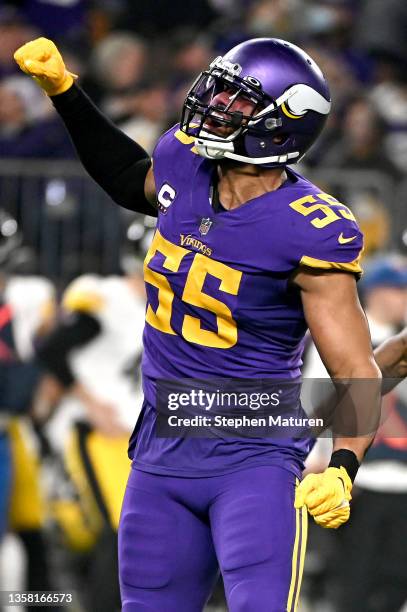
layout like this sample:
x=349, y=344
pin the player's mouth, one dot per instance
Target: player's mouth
x=228, y=113
x=219, y=123
x=216, y=123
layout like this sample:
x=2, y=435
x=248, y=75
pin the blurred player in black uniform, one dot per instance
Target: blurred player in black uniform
x=93, y=356
x=26, y=309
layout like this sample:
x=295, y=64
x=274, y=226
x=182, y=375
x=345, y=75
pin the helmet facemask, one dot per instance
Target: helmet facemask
x=209, y=120
x=203, y=108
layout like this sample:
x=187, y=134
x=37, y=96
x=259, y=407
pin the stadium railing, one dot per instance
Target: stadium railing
x=74, y=228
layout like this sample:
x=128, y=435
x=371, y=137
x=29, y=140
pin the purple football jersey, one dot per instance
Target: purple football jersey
x=219, y=299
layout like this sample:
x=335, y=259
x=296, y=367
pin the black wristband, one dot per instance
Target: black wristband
x=347, y=459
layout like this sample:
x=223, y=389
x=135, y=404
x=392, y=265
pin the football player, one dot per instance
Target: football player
x=27, y=307
x=391, y=357
x=247, y=254
x=93, y=357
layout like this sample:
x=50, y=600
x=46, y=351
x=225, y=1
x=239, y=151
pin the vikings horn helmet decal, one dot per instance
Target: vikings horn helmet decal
x=265, y=102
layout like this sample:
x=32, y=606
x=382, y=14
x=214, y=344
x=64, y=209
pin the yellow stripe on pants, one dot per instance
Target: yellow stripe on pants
x=298, y=558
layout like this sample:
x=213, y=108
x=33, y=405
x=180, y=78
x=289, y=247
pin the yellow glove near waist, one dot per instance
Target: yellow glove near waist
x=326, y=496
x=41, y=59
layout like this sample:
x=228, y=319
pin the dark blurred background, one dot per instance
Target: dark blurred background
x=137, y=59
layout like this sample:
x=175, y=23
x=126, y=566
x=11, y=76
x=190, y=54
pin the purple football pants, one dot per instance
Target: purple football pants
x=175, y=533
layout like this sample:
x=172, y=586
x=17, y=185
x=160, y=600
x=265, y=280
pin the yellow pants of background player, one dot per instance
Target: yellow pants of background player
x=99, y=467
x=26, y=502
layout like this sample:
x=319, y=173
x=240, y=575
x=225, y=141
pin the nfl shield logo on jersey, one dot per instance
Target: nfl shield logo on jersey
x=205, y=226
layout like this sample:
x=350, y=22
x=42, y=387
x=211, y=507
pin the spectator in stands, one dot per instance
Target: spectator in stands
x=360, y=147
x=387, y=45
x=27, y=128
x=362, y=143
x=190, y=52
x=331, y=24
x=117, y=65
x=166, y=16
x=390, y=99
x=148, y=114
x=277, y=18
x=14, y=30
x=56, y=20
x=343, y=87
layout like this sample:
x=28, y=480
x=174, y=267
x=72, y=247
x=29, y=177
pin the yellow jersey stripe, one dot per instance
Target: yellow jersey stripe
x=351, y=266
x=184, y=138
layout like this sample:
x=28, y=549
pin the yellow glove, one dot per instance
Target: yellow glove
x=326, y=496
x=41, y=59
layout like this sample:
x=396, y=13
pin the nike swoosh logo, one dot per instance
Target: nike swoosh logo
x=343, y=240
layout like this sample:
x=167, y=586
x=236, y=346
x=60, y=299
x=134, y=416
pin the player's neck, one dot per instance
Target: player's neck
x=240, y=183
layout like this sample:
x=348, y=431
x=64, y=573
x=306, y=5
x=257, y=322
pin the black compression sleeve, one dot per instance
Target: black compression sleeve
x=117, y=163
x=76, y=330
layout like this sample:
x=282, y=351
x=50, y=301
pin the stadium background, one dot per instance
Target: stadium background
x=137, y=60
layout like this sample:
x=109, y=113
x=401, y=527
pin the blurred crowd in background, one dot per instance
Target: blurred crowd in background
x=137, y=60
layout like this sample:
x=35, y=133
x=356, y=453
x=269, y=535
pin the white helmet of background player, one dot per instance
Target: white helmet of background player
x=10, y=237
x=138, y=236
x=14, y=257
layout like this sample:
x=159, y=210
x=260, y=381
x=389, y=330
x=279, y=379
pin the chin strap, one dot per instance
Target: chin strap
x=218, y=150
x=275, y=159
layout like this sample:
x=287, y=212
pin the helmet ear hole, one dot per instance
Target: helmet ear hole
x=280, y=139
